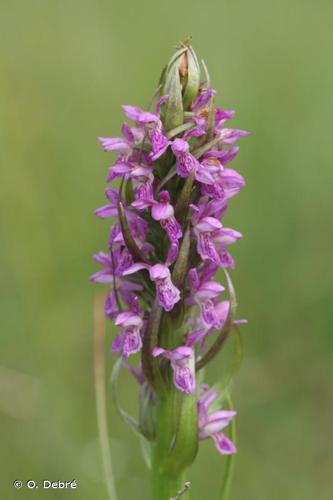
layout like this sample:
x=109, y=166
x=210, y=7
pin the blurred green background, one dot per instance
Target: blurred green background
x=66, y=66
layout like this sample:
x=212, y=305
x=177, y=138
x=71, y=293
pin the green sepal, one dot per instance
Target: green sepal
x=193, y=78
x=206, y=147
x=128, y=419
x=138, y=429
x=179, y=130
x=129, y=196
x=146, y=449
x=132, y=247
x=211, y=120
x=182, y=205
x=180, y=269
x=224, y=385
x=184, y=447
x=150, y=339
x=207, y=81
x=173, y=108
x=176, y=56
x=147, y=411
x=172, y=172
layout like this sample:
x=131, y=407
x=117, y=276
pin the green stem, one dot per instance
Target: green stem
x=166, y=483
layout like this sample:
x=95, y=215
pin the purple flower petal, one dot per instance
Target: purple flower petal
x=203, y=99
x=115, y=144
x=160, y=102
x=138, y=115
x=223, y=444
x=135, y=268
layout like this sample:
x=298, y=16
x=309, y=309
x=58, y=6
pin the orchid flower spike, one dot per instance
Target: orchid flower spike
x=167, y=251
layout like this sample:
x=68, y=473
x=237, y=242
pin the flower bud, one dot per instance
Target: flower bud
x=192, y=75
x=180, y=80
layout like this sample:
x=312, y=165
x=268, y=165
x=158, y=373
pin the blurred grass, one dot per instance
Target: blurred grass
x=66, y=67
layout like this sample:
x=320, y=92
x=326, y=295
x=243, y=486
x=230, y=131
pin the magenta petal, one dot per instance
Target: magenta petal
x=138, y=115
x=208, y=224
x=115, y=144
x=158, y=350
x=132, y=343
x=128, y=318
x=195, y=337
x=179, y=146
x=202, y=175
x=173, y=252
x=203, y=98
x=227, y=236
x=140, y=204
x=135, y=268
x=193, y=279
x=160, y=102
x=117, y=343
x=222, y=311
x=161, y=211
x=158, y=272
x=106, y=211
x=218, y=421
x=159, y=144
x=209, y=290
x=103, y=259
x=226, y=260
x=104, y=276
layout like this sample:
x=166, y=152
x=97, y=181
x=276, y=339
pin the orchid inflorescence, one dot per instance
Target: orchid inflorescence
x=166, y=245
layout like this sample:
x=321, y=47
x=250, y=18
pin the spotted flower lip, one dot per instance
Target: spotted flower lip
x=163, y=211
x=183, y=369
x=186, y=163
x=205, y=292
x=144, y=119
x=168, y=295
x=212, y=239
x=128, y=341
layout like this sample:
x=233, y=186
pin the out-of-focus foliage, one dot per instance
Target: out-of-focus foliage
x=66, y=66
